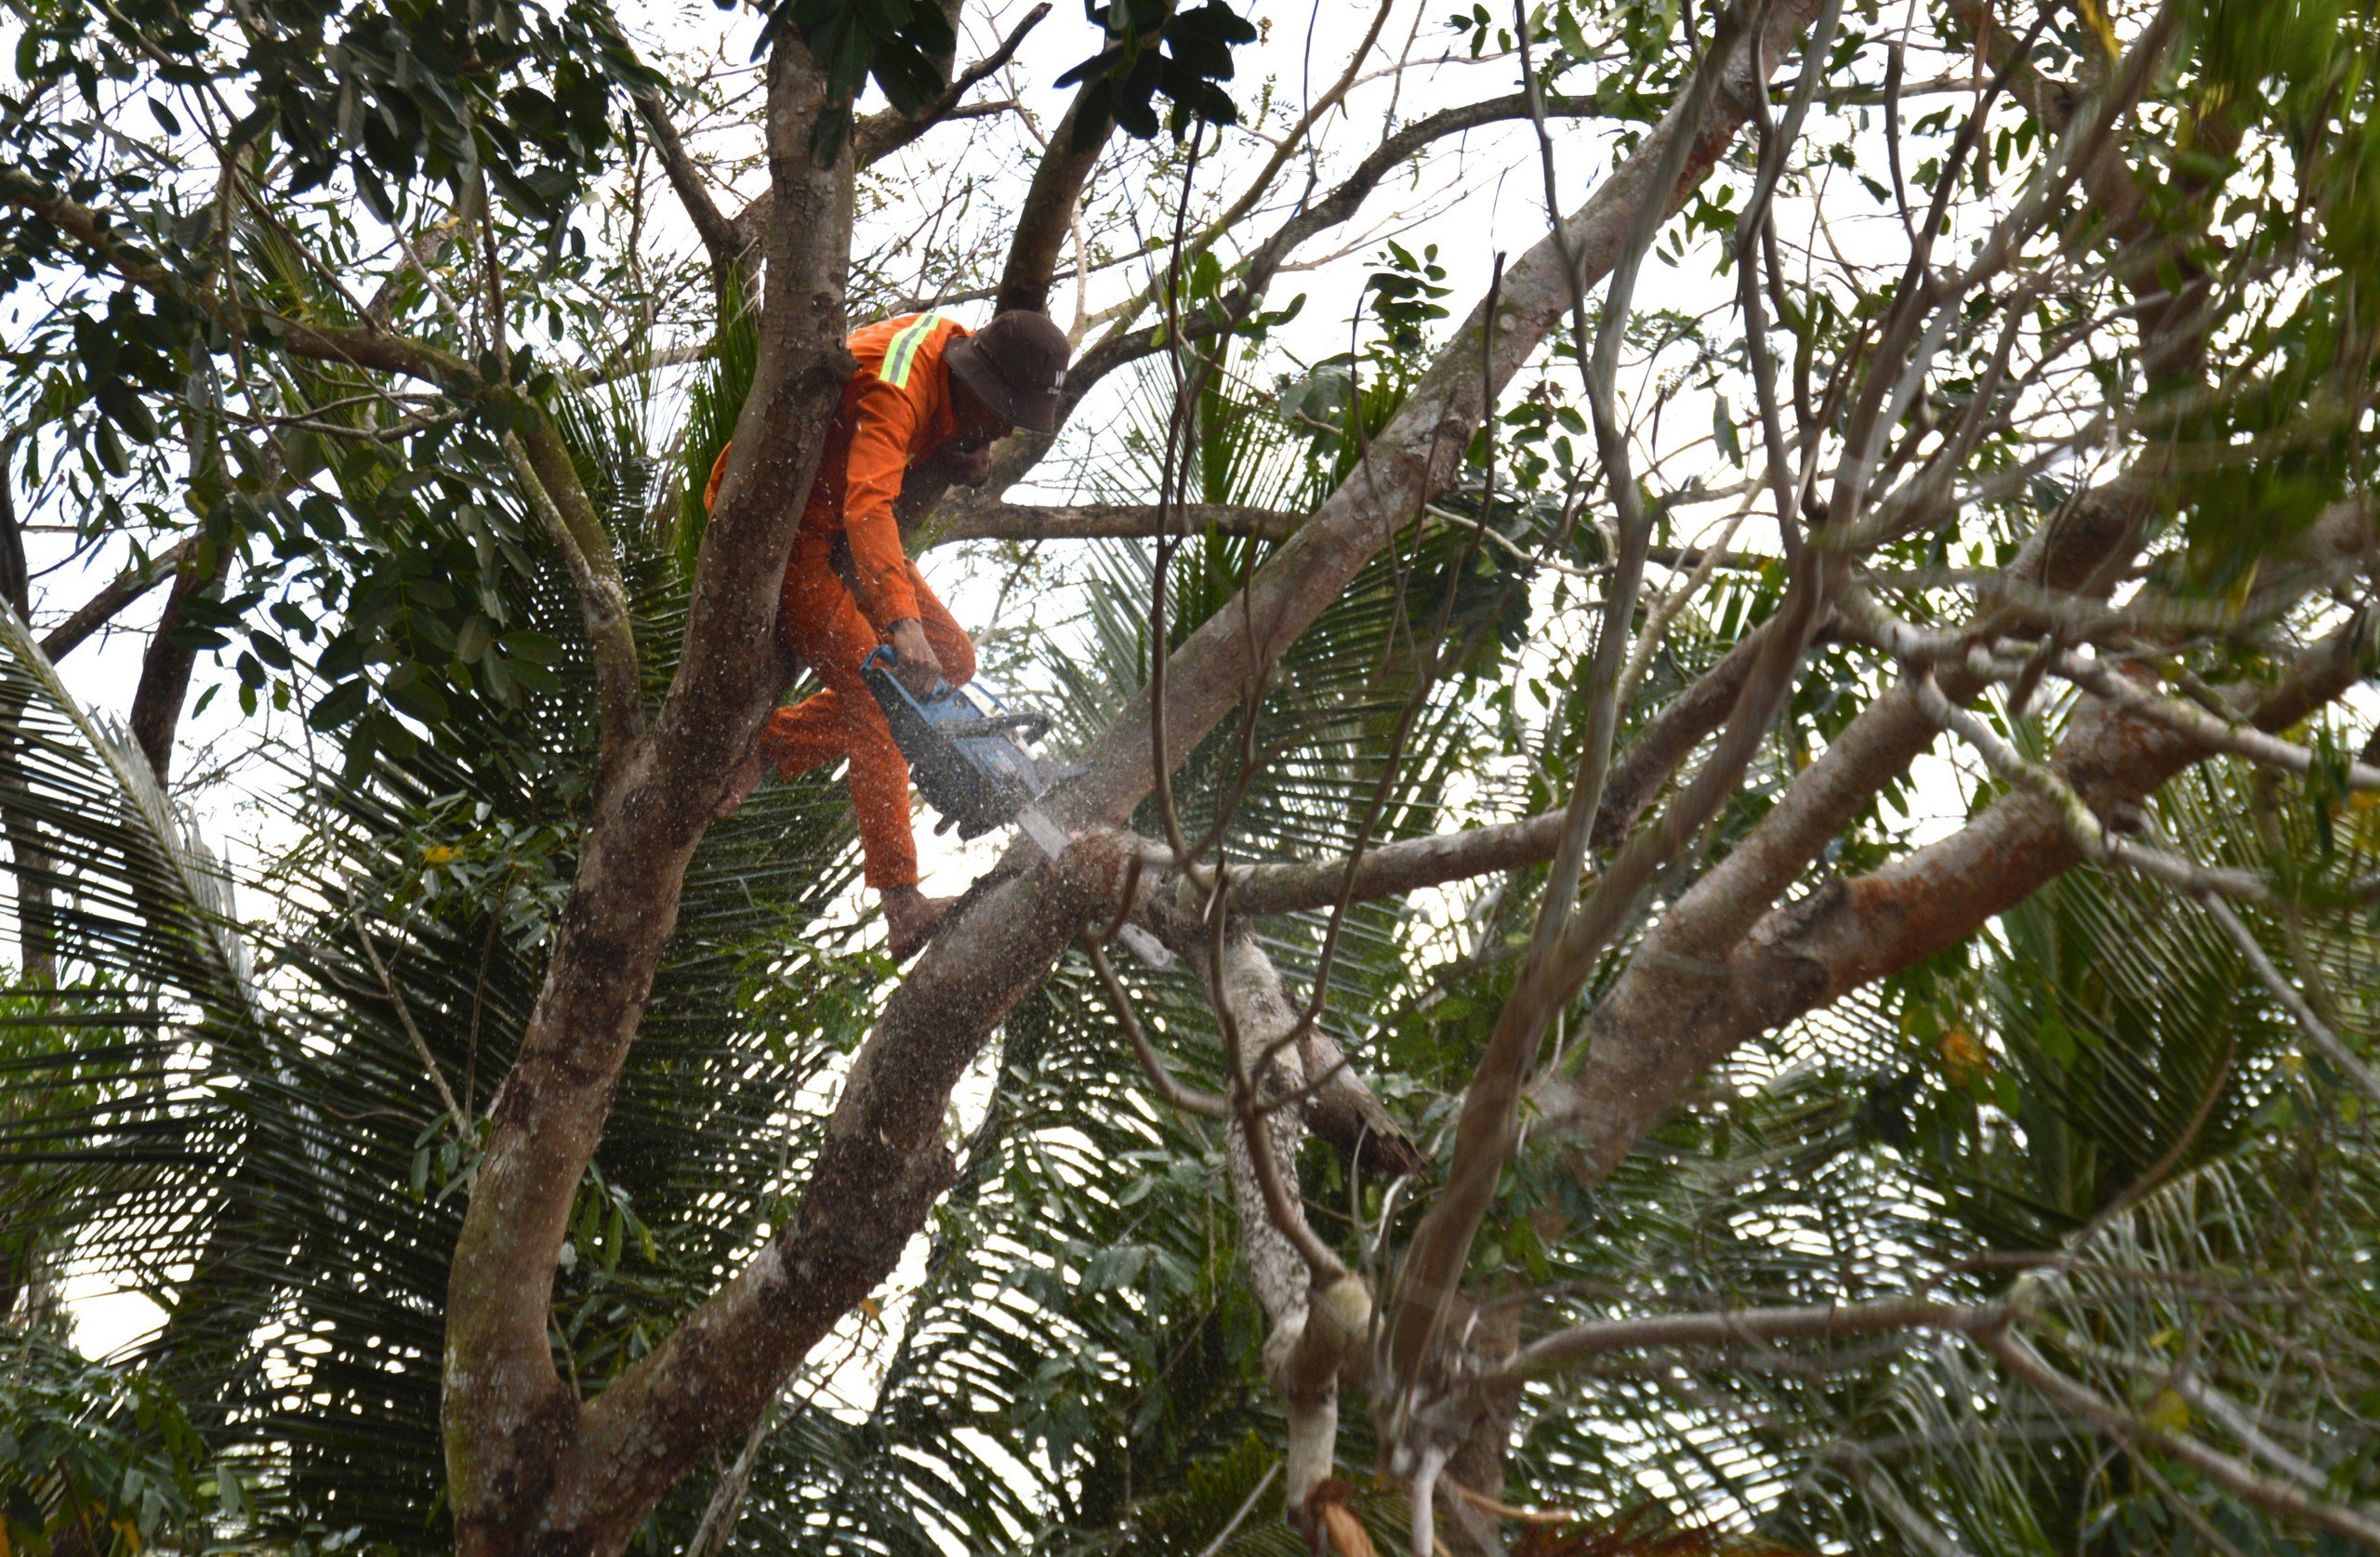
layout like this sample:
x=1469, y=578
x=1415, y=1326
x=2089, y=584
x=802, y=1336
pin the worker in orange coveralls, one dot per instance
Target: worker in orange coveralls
x=927, y=392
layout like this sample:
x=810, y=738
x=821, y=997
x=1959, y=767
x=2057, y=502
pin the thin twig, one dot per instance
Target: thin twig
x=404, y=1017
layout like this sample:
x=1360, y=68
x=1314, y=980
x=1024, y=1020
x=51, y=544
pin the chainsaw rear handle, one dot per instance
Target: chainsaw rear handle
x=1029, y=725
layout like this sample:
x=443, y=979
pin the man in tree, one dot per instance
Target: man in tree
x=927, y=393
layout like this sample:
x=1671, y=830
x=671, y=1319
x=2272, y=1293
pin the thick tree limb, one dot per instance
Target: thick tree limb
x=1316, y=1308
x=532, y=1469
x=881, y=1167
x=1394, y=869
x=1046, y=220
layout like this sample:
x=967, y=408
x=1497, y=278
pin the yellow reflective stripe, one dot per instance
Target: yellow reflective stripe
x=902, y=355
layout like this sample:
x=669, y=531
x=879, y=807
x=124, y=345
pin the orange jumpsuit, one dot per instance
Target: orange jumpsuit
x=849, y=580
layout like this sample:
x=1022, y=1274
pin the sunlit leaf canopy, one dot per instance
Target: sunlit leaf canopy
x=262, y=1106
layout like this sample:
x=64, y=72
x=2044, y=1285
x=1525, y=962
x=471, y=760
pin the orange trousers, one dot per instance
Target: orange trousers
x=818, y=619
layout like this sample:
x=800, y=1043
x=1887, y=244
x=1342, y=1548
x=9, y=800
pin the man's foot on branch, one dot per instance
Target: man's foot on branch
x=911, y=920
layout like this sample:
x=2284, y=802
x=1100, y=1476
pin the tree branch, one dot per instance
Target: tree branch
x=523, y=1451
x=880, y=135
x=541, y=461
x=549, y=483
x=1656, y=1032
x=721, y=239
x=119, y=592
x=1128, y=343
x=1550, y=1355
x=1083, y=521
x=1414, y=458
x=375, y=349
x=1046, y=220
x=2241, y=1481
x=167, y=663
x=882, y=1163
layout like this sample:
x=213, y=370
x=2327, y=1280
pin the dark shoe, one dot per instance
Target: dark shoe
x=911, y=920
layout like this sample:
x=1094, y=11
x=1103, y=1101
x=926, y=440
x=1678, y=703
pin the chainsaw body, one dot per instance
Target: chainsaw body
x=968, y=761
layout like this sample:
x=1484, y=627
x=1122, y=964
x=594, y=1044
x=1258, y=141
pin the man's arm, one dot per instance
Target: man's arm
x=879, y=459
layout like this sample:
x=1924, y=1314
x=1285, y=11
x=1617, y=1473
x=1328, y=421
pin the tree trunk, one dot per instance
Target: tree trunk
x=532, y=1469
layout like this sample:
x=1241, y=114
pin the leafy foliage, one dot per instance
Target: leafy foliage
x=1154, y=49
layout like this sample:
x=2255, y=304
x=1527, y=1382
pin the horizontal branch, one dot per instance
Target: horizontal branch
x=1761, y=1326
x=1394, y=869
x=371, y=349
x=1412, y=865
x=1093, y=522
x=1084, y=521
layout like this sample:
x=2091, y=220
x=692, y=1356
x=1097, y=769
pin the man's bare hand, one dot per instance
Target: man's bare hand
x=966, y=463
x=919, y=669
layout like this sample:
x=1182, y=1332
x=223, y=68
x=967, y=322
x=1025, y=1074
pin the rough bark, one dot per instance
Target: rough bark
x=880, y=1168
x=522, y=1451
x=1477, y=1464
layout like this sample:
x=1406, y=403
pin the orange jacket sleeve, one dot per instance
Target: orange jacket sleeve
x=882, y=423
x=718, y=474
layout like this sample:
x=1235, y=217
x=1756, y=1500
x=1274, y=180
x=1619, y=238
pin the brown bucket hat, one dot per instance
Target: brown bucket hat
x=1016, y=365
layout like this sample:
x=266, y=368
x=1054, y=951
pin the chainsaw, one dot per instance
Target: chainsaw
x=971, y=763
